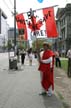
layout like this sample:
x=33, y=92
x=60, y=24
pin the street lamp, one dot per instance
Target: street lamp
x=14, y=26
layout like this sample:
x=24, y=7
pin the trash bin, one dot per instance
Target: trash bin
x=12, y=63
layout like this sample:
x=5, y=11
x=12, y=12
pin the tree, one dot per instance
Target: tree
x=37, y=44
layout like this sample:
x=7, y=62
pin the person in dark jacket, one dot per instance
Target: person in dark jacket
x=69, y=62
x=22, y=56
x=57, y=59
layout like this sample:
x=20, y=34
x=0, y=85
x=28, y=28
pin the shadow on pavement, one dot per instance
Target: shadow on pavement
x=52, y=102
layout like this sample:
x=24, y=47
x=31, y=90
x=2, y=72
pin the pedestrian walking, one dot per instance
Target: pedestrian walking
x=46, y=68
x=30, y=56
x=69, y=62
x=57, y=59
x=17, y=53
x=23, y=53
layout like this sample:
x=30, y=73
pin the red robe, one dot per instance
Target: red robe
x=47, y=73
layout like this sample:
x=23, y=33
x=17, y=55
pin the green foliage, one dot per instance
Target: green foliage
x=37, y=43
x=64, y=64
x=60, y=95
x=65, y=105
x=9, y=44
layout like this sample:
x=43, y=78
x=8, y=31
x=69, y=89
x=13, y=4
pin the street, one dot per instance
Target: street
x=21, y=88
x=3, y=61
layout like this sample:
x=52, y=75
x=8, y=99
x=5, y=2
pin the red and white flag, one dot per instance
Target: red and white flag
x=21, y=25
x=34, y=25
x=42, y=24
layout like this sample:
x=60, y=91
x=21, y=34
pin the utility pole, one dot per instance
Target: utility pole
x=14, y=25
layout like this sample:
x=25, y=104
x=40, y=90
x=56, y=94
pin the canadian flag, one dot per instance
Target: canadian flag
x=46, y=15
x=41, y=24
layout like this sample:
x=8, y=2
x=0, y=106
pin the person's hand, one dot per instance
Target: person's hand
x=40, y=61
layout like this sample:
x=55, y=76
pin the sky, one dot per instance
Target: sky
x=24, y=6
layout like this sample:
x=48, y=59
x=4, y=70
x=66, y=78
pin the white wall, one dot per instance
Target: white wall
x=4, y=29
x=2, y=40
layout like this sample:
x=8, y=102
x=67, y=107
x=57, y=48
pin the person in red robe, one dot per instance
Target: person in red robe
x=46, y=68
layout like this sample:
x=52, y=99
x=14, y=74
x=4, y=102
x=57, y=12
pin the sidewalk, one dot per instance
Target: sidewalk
x=20, y=89
x=63, y=87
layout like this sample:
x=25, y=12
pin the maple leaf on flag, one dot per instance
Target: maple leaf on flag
x=33, y=25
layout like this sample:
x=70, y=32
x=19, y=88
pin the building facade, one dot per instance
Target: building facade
x=63, y=42
x=20, y=42
x=3, y=29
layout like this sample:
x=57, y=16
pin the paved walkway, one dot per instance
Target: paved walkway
x=20, y=89
x=63, y=87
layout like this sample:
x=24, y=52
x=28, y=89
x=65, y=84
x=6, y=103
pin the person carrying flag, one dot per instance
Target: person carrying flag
x=46, y=68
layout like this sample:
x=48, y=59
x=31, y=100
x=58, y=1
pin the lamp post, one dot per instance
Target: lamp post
x=14, y=26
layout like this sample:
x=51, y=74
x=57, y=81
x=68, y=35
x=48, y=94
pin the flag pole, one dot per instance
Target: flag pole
x=34, y=27
x=40, y=9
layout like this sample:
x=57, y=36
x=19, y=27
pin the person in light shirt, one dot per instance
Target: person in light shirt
x=30, y=56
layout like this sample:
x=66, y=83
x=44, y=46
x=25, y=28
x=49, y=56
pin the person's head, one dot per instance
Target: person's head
x=46, y=45
x=30, y=50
